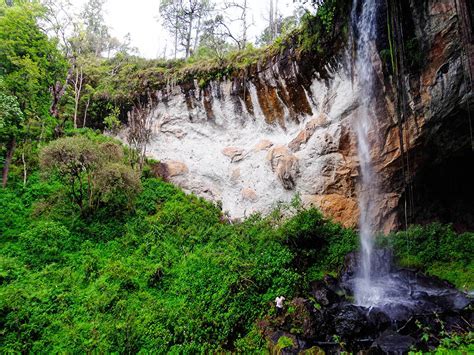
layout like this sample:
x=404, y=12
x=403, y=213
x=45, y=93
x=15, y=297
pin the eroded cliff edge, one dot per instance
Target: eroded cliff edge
x=283, y=126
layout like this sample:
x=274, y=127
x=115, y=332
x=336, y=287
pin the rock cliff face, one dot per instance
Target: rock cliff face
x=431, y=176
x=285, y=128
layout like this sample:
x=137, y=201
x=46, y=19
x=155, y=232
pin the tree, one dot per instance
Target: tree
x=30, y=61
x=280, y=26
x=271, y=22
x=11, y=119
x=217, y=31
x=215, y=38
x=184, y=19
x=97, y=34
x=30, y=66
x=169, y=11
x=59, y=22
x=241, y=7
x=139, y=131
x=87, y=40
x=92, y=172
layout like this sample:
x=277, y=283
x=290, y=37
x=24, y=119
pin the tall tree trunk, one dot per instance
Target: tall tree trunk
x=271, y=21
x=188, y=37
x=57, y=92
x=77, y=92
x=8, y=159
x=85, y=112
x=175, y=42
x=244, y=24
x=275, y=21
x=198, y=31
x=25, y=171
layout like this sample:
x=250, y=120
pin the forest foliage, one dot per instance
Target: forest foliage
x=169, y=273
x=97, y=254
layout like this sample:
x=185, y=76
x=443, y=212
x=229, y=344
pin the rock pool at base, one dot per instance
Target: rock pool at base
x=412, y=301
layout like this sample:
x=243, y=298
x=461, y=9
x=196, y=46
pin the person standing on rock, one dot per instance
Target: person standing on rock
x=279, y=305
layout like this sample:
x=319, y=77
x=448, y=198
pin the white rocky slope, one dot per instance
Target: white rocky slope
x=236, y=157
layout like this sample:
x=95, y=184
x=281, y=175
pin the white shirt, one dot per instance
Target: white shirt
x=279, y=301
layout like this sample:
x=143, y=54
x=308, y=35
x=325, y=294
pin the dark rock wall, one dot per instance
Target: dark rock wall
x=438, y=158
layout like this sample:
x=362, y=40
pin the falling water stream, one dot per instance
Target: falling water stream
x=366, y=292
x=377, y=283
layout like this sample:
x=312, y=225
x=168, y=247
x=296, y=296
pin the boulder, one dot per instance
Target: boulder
x=235, y=154
x=350, y=321
x=377, y=319
x=169, y=169
x=264, y=144
x=175, y=168
x=287, y=171
x=303, y=319
x=285, y=165
x=382, y=263
x=249, y=195
x=305, y=134
x=332, y=283
x=285, y=343
x=390, y=342
x=322, y=294
x=342, y=209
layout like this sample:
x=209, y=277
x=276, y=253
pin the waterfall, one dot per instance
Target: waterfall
x=365, y=26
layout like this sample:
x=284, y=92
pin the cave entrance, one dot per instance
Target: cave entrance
x=444, y=192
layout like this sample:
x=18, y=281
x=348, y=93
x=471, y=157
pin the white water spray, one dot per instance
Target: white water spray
x=366, y=292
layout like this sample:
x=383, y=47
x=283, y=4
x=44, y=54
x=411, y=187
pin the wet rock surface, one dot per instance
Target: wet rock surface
x=328, y=319
x=393, y=342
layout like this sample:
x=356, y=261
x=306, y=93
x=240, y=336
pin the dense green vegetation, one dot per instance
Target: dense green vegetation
x=166, y=271
x=98, y=255
x=169, y=273
x=30, y=64
x=438, y=250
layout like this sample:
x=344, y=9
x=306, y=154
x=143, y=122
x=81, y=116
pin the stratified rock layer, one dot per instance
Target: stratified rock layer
x=286, y=128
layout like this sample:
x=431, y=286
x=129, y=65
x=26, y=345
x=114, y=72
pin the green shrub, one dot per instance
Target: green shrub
x=154, y=193
x=319, y=244
x=92, y=172
x=75, y=282
x=14, y=214
x=46, y=242
x=437, y=249
x=284, y=342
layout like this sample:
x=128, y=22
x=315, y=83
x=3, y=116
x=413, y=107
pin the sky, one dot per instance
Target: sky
x=141, y=19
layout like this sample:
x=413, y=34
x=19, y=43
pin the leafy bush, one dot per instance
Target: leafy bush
x=437, y=249
x=170, y=275
x=284, y=342
x=319, y=244
x=14, y=214
x=456, y=343
x=326, y=13
x=93, y=172
x=45, y=242
x=91, y=275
